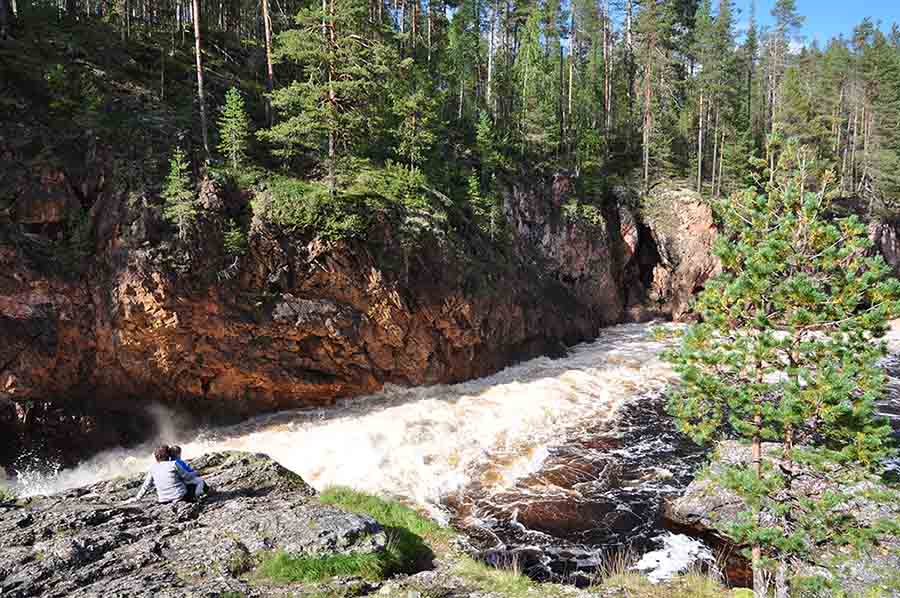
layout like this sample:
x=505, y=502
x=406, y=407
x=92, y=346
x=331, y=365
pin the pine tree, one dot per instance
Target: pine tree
x=181, y=205
x=654, y=30
x=338, y=104
x=234, y=128
x=884, y=77
x=787, y=350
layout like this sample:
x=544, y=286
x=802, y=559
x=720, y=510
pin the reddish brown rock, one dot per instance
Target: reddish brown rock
x=683, y=231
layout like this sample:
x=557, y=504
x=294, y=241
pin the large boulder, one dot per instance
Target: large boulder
x=86, y=542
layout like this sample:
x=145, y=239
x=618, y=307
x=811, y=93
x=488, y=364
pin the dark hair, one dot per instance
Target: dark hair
x=175, y=451
x=162, y=453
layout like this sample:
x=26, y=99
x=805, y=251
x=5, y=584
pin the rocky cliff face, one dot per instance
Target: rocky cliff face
x=299, y=321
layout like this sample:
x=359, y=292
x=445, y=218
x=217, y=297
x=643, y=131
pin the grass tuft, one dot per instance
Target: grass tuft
x=410, y=537
x=508, y=582
x=285, y=568
x=7, y=495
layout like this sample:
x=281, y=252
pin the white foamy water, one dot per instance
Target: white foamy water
x=424, y=443
x=678, y=554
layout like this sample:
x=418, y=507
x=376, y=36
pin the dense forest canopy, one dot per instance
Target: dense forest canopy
x=443, y=96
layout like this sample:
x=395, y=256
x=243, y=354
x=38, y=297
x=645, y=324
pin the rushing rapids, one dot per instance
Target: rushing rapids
x=552, y=464
x=426, y=443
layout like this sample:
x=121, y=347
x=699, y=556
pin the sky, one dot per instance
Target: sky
x=826, y=19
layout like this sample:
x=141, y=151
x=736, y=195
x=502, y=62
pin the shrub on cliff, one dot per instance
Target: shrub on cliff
x=234, y=128
x=787, y=350
x=181, y=204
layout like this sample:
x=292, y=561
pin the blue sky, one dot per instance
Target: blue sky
x=829, y=18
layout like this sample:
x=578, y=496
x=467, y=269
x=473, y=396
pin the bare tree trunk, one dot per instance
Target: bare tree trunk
x=700, y=149
x=6, y=18
x=836, y=121
x=718, y=191
x=715, y=159
x=71, y=8
x=629, y=67
x=460, y=111
x=572, y=52
x=430, y=18
x=853, y=147
x=270, y=76
x=648, y=117
x=867, y=127
x=200, y=93
x=490, y=65
x=332, y=101
x=760, y=587
x=606, y=71
x=560, y=112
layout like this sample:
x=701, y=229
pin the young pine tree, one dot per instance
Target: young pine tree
x=786, y=351
x=181, y=205
x=234, y=128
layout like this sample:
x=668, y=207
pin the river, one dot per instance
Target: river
x=551, y=462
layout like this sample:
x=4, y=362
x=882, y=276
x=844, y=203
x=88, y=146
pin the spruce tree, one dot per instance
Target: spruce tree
x=787, y=351
x=181, y=205
x=337, y=105
x=234, y=128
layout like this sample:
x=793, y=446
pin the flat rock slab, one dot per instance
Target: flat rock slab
x=86, y=542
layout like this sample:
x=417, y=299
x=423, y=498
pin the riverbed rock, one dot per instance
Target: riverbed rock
x=707, y=509
x=88, y=542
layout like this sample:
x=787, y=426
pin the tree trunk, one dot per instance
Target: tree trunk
x=853, y=148
x=836, y=122
x=648, y=117
x=490, y=65
x=629, y=67
x=560, y=112
x=200, y=93
x=572, y=52
x=715, y=159
x=332, y=100
x=607, y=114
x=6, y=18
x=760, y=587
x=700, y=149
x=71, y=8
x=718, y=191
x=270, y=77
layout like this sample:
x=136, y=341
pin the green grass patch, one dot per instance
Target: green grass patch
x=410, y=537
x=7, y=495
x=284, y=568
x=413, y=538
x=386, y=512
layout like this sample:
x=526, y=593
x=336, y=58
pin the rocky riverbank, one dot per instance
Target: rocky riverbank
x=708, y=510
x=263, y=532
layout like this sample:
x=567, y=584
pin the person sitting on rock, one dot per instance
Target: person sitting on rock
x=196, y=485
x=170, y=480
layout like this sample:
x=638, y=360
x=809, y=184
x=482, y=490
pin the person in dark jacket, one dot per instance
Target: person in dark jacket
x=195, y=484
